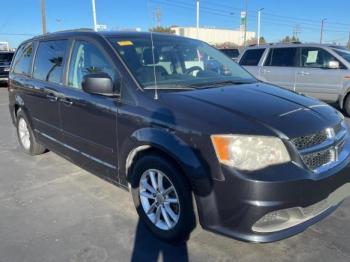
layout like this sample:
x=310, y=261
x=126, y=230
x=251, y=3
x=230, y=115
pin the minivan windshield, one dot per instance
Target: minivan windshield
x=177, y=63
x=5, y=58
x=343, y=53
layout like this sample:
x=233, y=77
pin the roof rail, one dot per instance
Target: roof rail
x=73, y=30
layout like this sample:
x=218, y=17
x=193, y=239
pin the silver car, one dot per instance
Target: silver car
x=320, y=71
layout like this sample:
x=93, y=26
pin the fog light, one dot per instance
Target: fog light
x=272, y=219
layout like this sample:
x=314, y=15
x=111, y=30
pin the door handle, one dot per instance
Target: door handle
x=303, y=73
x=51, y=97
x=66, y=101
x=266, y=71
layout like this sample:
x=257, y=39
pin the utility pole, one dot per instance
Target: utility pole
x=94, y=14
x=245, y=22
x=322, y=25
x=158, y=16
x=197, y=23
x=259, y=20
x=296, y=31
x=43, y=16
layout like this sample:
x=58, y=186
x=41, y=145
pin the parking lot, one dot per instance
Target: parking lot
x=51, y=210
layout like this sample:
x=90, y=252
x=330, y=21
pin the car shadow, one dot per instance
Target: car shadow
x=147, y=247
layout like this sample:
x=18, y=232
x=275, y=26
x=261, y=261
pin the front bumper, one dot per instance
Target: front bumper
x=235, y=205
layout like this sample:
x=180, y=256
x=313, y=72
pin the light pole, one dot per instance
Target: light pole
x=245, y=22
x=94, y=14
x=197, y=22
x=259, y=17
x=322, y=25
x=43, y=16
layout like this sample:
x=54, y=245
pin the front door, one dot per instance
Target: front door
x=89, y=122
x=315, y=78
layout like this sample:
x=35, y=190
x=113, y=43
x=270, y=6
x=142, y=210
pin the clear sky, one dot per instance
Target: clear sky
x=20, y=19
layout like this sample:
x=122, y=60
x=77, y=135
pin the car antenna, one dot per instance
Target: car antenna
x=153, y=57
x=154, y=69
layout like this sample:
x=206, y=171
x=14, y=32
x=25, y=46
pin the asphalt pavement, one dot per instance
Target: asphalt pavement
x=52, y=210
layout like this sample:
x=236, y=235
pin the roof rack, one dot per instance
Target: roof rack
x=73, y=30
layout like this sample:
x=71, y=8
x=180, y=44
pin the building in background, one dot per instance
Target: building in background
x=4, y=46
x=215, y=36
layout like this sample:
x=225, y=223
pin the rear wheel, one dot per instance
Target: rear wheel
x=162, y=198
x=26, y=136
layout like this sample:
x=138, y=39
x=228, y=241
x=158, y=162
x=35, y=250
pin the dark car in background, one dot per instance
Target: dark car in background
x=5, y=62
x=232, y=53
x=143, y=111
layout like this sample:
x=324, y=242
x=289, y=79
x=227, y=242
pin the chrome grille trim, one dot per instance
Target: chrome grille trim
x=310, y=140
x=322, y=150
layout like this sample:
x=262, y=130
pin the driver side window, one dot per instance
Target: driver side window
x=87, y=59
x=314, y=57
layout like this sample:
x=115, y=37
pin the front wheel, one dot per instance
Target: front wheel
x=162, y=198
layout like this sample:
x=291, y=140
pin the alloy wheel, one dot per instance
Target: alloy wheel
x=159, y=199
x=24, y=134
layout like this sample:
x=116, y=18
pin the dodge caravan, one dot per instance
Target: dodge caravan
x=153, y=114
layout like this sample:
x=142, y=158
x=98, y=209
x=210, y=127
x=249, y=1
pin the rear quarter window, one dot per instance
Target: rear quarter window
x=23, y=60
x=252, y=57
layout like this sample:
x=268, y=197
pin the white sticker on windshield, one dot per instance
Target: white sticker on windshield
x=311, y=57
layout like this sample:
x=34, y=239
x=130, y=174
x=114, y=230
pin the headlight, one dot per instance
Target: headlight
x=6, y=69
x=249, y=152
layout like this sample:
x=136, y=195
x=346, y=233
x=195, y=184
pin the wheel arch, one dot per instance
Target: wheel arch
x=158, y=141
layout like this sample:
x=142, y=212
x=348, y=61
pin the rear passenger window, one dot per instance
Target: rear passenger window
x=23, y=60
x=251, y=57
x=286, y=57
x=49, y=61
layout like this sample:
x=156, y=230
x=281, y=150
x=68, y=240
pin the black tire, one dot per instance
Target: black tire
x=186, y=222
x=35, y=148
x=346, y=106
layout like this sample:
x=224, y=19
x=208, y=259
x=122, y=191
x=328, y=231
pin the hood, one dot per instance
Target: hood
x=280, y=109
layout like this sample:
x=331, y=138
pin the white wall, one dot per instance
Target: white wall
x=213, y=35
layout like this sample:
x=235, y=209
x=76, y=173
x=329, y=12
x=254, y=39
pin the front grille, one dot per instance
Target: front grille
x=310, y=140
x=317, y=159
x=321, y=148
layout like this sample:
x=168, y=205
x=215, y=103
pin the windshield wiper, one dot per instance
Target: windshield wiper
x=221, y=83
x=169, y=87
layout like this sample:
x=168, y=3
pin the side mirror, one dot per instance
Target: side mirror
x=99, y=84
x=333, y=65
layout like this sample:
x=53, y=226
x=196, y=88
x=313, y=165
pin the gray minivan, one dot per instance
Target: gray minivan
x=320, y=71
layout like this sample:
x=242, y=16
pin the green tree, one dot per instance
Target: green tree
x=289, y=39
x=262, y=40
x=285, y=40
x=162, y=29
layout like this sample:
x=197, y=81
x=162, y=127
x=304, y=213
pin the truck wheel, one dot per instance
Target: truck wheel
x=26, y=136
x=162, y=198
